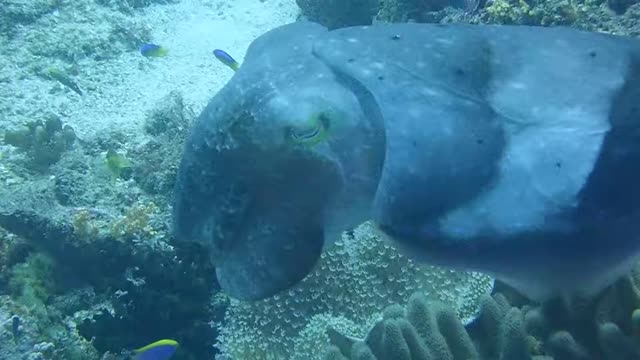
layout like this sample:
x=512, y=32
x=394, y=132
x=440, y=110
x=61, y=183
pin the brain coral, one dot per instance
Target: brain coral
x=354, y=279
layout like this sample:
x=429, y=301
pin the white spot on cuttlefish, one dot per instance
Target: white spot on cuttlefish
x=365, y=72
x=516, y=85
x=429, y=92
x=415, y=112
x=444, y=41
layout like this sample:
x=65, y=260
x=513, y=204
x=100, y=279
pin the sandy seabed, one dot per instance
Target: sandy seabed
x=120, y=91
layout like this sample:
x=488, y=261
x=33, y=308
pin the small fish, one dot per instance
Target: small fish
x=159, y=350
x=317, y=131
x=15, y=326
x=153, y=50
x=226, y=59
x=63, y=79
x=118, y=165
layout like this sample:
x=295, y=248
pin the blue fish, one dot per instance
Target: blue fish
x=159, y=350
x=153, y=50
x=226, y=59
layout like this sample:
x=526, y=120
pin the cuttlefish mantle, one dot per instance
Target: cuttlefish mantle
x=513, y=151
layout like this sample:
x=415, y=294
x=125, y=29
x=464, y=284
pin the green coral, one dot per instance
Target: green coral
x=40, y=334
x=508, y=12
x=13, y=250
x=353, y=280
x=135, y=223
x=32, y=282
x=558, y=12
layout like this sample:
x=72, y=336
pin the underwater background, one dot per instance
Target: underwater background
x=96, y=99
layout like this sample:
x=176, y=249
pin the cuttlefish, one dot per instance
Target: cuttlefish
x=509, y=150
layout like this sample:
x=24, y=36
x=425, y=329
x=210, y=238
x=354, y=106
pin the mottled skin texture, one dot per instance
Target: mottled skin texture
x=513, y=151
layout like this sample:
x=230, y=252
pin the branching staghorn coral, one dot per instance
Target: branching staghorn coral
x=356, y=278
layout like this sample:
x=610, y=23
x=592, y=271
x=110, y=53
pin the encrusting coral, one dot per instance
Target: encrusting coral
x=355, y=278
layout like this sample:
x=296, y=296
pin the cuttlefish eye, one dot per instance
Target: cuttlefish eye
x=313, y=132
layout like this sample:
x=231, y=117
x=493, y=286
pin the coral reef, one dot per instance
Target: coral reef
x=508, y=12
x=615, y=16
x=408, y=10
x=32, y=282
x=339, y=13
x=42, y=141
x=618, y=16
x=354, y=279
x=155, y=290
x=13, y=250
x=601, y=18
x=135, y=223
x=31, y=325
x=158, y=159
x=545, y=13
x=604, y=327
x=88, y=267
x=427, y=330
x=106, y=233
